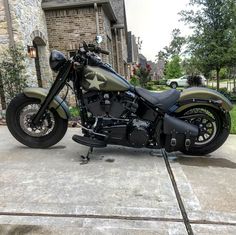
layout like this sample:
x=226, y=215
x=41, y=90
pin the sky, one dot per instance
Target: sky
x=153, y=21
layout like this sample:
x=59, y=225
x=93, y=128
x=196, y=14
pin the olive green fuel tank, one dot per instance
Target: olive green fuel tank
x=99, y=79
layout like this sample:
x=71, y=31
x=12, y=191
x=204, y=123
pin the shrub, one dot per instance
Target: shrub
x=134, y=81
x=12, y=72
x=151, y=83
x=194, y=80
x=162, y=82
x=150, y=87
x=225, y=92
x=143, y=74
x=74, y=112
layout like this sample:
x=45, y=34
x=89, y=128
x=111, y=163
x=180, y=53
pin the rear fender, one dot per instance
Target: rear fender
x=198, y=96
x=58, y=104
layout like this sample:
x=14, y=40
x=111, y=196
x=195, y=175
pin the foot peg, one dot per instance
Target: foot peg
x=94, y=143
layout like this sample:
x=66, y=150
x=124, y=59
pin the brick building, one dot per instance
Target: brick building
x=133, y=52
x=133, y=49
x=62, y=25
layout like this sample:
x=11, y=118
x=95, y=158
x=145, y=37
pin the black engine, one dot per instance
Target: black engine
x=117, y=118
x=110, y=104
x=138, y=133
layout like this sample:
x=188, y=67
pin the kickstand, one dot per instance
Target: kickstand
x=85, y=159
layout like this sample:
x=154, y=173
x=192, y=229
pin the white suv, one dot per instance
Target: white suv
x=182, y=81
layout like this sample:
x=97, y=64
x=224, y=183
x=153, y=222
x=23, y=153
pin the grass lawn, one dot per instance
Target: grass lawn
x=233, y=118
x=221, y=81
x=160, y=88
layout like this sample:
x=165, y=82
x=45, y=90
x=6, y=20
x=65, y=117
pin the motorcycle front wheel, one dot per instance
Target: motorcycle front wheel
x=214, y=129
x=19, y=115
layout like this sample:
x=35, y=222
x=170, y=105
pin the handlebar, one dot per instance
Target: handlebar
x=105, y=52
x=94, y=48
x=86, y=55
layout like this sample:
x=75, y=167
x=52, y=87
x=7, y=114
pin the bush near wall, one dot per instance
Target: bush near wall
x=229, y=95
x=12, y=72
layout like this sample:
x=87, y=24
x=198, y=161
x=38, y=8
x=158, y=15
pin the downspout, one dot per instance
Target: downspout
x=124, y=71
x=97, y=18
x=117, y=50
x=9, y=23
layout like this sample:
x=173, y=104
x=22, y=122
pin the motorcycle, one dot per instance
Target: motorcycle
x=195, y=121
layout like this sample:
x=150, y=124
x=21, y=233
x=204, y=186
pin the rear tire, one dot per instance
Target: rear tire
x=223, y=125
x=23, y=135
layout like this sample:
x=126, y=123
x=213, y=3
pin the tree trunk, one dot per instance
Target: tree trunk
x=234, y=89
x=218, y=78
x=2, y=95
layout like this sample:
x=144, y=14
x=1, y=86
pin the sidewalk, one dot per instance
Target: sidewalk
x=120, y=191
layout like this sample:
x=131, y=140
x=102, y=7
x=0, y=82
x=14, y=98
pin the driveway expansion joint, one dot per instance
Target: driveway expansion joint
x=116, y=217
x=92, y=216
x=177, y=194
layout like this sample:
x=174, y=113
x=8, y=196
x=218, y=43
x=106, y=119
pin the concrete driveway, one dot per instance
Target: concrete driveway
x=120, y=191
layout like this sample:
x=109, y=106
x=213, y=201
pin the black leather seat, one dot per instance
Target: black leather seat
x=163, y=100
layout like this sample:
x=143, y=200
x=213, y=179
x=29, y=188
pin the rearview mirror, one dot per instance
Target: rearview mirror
x=98, y=39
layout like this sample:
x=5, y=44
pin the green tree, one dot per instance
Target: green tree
x=176, y=44
x=173, y=68
x=190, y=66
x=12, y=72
x=162, y=55
x=142, y=74
x=174, y=48
x=213, y=42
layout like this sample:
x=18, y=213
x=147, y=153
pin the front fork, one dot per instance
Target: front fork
x=57, y=86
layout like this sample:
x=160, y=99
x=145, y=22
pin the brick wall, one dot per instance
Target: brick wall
x=27, y=17
x=105, y=31
x=68, y=28
x=3, y=28
x=3, y=36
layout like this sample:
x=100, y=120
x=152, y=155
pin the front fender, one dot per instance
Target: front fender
x=58, y=104
x=202, y=93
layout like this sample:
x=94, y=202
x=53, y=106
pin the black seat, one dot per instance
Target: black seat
x=164, y=100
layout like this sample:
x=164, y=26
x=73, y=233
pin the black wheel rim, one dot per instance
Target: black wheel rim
x=208, y=125
x=25, y=114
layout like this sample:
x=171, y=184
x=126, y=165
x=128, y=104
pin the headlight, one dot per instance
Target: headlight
x=57, y=60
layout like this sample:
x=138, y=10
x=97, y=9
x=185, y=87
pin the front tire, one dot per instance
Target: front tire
x=19, y=113
x=215, y=137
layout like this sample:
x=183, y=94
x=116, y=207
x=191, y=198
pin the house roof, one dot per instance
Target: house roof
x=64, y=4
x=119, y=9
x=118, y=6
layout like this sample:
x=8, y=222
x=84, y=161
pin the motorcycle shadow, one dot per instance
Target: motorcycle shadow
x=207, y=161
x=111, y=154
x=46, y=149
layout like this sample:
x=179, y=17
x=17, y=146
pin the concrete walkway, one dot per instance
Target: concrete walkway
x=120, y=191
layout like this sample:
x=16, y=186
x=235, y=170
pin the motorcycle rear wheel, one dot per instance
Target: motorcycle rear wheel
x=214, y=130
x=19, y=116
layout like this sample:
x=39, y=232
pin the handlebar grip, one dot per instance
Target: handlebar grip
x=105, y=52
